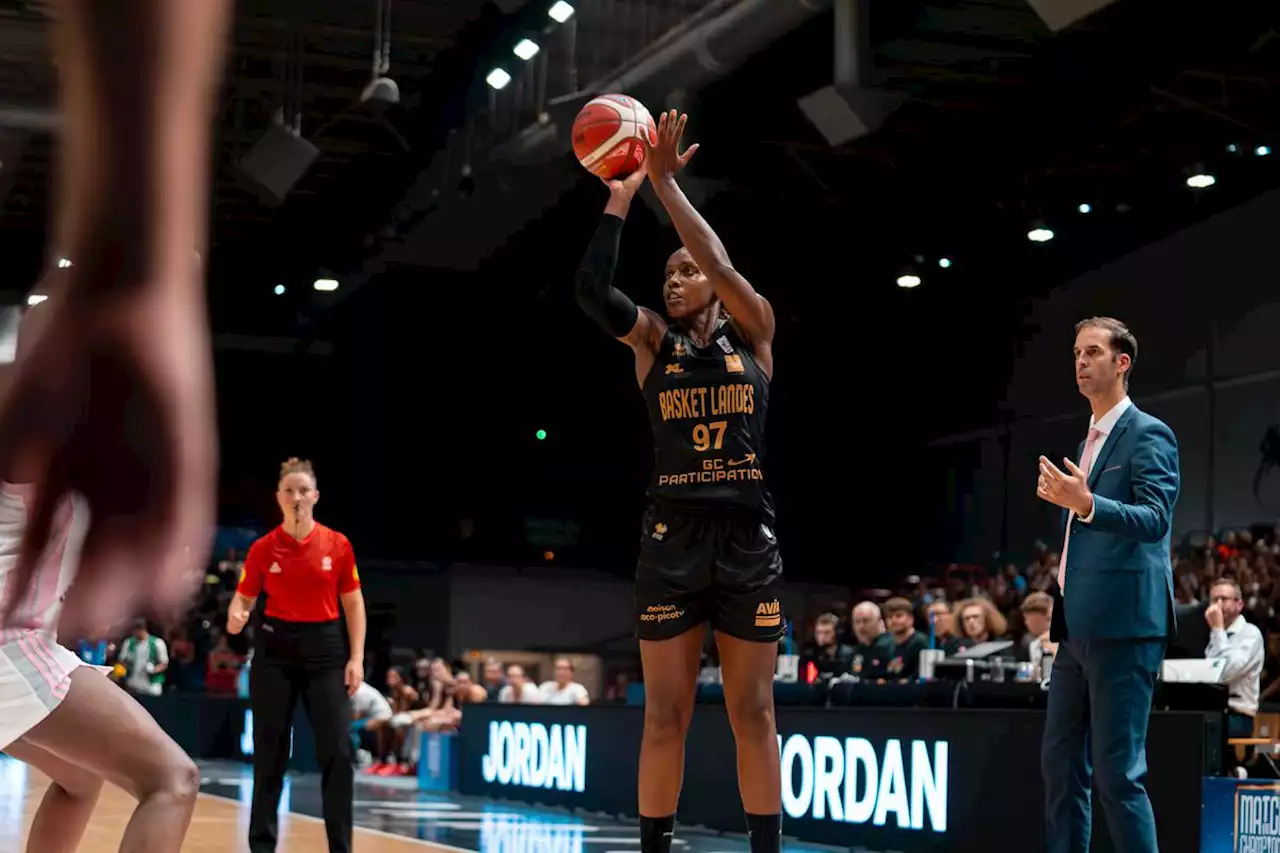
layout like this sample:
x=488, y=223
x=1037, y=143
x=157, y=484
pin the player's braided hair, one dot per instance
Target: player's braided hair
x=294, y=465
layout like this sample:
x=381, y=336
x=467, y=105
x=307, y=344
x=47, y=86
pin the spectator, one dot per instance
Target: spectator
x=370, y=715
x=944, y=626
x=518, y=689
x=396, y=759
x=223, y=667
x=183, y=674
x=979, y=622
x=494, y=680
x=1037, y=616
x=1015, y=579
x=872, y=646
x=145, y=658
x=1239, y=646
x=903, y=662
x=564, y=690
x=830, y=657
x=422, y=680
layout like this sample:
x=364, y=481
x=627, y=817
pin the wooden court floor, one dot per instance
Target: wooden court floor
x=219, y=825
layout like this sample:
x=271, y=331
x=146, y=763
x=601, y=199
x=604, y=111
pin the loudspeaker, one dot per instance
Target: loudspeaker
x=276, y=163
x=1060, y=14
x=845, y=113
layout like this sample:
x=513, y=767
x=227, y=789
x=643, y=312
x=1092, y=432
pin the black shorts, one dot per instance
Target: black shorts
x=718, y=565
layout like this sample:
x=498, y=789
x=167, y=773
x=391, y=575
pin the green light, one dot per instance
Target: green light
x=541, y=434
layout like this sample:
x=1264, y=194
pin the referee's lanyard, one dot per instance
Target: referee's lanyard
x=314, y=644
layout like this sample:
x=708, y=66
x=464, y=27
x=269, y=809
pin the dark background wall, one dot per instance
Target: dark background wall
x=1206, y=311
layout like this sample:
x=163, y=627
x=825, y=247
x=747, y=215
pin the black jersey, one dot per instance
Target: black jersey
x=707, y=408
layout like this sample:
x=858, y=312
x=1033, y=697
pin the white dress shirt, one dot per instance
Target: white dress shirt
x=1242, y=651
x=369, y=704
x=571, y=694
x=1104, y=426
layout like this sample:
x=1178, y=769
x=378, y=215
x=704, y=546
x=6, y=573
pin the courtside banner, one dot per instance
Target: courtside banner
x=885, y=779
x=1240, y=816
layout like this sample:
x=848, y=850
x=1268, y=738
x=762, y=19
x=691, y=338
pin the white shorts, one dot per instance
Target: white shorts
x=35, y=675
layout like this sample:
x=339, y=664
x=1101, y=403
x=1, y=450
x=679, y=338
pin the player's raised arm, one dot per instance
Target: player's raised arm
x=750, y=311
x=593, y=284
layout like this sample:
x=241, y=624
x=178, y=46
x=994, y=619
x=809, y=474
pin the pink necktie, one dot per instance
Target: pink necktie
x=1085, y=461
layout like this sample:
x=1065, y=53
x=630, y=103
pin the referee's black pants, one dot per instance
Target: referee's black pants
x=293, y=661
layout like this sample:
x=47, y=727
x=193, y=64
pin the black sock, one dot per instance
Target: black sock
x=766, y=832
x=655, y=834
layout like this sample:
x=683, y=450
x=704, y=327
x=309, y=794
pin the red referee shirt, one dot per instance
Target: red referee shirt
x=302, y=578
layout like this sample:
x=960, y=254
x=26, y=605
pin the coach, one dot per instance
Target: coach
x=1114, y=613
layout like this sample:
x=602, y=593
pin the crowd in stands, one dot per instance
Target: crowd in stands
x=878, y=638
x=881, y=636
x=431, y=696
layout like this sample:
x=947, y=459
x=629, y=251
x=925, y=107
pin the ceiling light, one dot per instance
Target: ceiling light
x=280, y=290
x=525, y=49
x=326, y=285
x=945, y=263
x=1040, y=235
x=63, y=263
x=908, y=281
x=1201, y=180
x=1085, y=208
x=1262, y=150
x=560, y=12
x=498, y=78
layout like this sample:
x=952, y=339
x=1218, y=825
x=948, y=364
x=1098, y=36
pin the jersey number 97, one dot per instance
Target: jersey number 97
x=707, y=436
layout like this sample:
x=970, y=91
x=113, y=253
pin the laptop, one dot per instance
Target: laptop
x=1192, y=671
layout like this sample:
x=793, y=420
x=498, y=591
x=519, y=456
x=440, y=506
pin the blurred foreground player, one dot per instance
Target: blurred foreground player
x=304, y=569
x=708, y=553
x=137, y=79
x=62, y=716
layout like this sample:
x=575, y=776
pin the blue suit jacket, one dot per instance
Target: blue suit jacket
x=1119, y=582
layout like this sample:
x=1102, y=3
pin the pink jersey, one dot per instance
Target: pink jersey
x=41, y=604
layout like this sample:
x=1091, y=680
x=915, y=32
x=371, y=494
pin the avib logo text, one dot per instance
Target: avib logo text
x=533, y=755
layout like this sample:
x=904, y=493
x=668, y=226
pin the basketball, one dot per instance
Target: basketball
x=609, y=134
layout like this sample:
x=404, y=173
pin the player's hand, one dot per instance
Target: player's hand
x=236, y=620
x=626, y=186
x=1213, y=616
x=663, y=159
x=1065, y=489
x=114, y=400
x=353, y=677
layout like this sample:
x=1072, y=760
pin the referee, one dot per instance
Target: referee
x=304, y=568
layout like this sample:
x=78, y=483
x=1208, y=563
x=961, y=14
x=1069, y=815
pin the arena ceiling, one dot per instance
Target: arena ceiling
x=1002, y=123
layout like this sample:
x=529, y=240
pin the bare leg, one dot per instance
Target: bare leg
x=68, y=802
x=670, y=685
x=98, y=727
x=748, y=696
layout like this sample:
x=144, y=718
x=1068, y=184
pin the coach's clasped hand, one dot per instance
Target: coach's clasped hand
x=1067, y=490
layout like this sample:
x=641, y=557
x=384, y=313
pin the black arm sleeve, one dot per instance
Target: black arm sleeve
x=593, y=284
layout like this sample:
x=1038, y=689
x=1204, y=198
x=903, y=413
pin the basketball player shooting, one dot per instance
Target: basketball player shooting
x=136, y=86
x=708, y=553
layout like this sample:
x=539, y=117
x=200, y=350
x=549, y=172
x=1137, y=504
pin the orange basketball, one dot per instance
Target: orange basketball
x=608, y=135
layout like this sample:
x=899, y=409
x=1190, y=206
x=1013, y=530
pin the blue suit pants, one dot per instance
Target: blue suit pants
x=1096, y=730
